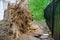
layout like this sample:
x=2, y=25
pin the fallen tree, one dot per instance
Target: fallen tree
x=20, y=18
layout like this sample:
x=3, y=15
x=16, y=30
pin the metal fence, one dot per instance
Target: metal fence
x=52, y=16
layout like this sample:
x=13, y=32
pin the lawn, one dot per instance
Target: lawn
x=37, y=8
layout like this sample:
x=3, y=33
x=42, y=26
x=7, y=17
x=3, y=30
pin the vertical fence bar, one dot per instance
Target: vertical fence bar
x=57, y=21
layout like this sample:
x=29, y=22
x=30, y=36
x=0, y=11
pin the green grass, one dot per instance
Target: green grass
x=37, y=8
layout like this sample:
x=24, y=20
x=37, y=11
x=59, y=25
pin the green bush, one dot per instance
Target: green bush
x=37, y=8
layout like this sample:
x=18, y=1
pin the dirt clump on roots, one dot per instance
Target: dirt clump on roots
x=21, y=17
x=20, y=27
